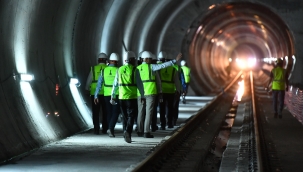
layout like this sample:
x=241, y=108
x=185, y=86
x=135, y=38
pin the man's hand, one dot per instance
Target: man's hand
x=113, y=101
x=96, y=100
x=179, y=56
x=267, y=88
x=184, y=93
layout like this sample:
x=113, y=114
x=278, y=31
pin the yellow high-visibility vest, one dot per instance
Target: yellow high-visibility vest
x=96, y=71
x=127, y=82
x=278, y=78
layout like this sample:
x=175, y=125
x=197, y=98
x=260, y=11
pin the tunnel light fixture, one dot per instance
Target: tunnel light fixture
x=75, y=81
x=26, y=77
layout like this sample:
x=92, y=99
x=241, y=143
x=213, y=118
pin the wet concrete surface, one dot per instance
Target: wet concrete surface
x=89, y=152
x=86, y=151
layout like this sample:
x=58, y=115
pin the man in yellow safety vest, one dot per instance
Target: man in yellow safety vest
x=91, y=85
x=107, y=79
x=279, y=80
x=146, y=101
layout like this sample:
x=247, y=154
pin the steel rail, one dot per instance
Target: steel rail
x=256, y=129
x=188, y=127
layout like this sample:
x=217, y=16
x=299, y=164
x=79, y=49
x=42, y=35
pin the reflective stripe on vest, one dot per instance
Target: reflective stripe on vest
x=96, y=71
x=109, y=74
x=167, y=79
x=148, y=79
x=186, y=73
x=278, y=78
x=126, y=81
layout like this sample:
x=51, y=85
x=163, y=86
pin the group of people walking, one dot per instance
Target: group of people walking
x=136, y=90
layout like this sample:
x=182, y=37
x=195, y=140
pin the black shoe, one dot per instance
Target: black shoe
x=104, y=131
x=170, y=126
x=96, y=131
x=110, y=133
x=127, y=137
x=276, y=115
x=140, y=134
x=162, y=128
x=148, y=135
x=155, y=128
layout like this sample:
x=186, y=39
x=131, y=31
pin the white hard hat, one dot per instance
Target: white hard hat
x=162, y=54
x=102, y=56
x=183, y=62
x=146, y=54
x=140, y=54
x=129, y=54
x=114, y=57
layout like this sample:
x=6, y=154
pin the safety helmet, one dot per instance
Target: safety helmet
x=162, y=55
x=279, y=60
x=129, y=54
x=183, y=62
x=114, y=57
x=146, y=54
x=102, y=56
x=140, y=55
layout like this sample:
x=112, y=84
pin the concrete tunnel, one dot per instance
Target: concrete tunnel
x=58, y=40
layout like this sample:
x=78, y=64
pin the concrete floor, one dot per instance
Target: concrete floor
x=89, y=152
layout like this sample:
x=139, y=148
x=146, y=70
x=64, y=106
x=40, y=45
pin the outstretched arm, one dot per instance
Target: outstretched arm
x=156, y=67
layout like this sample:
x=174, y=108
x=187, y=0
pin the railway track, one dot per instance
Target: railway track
x=221, y=136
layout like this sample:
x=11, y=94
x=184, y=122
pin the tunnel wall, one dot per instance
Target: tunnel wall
x=57, y=40
x=292, y=14
x=38, y=36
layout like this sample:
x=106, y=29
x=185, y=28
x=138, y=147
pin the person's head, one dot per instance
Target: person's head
x=279, y=62
x=162, y=56
x=139, y=60
x=102, y=58
x=114, y=58
x=147, y=57
x=154, y=59
x=130, y=57
x=183, y=63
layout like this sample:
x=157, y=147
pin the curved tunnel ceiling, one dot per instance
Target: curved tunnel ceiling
x=235, y=30
x=57, y=40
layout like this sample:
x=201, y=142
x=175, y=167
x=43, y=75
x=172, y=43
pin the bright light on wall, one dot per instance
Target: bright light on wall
x=269, y=60
x=75, y=81
x=26, y=77
x=36, y=114
x=83, y=109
